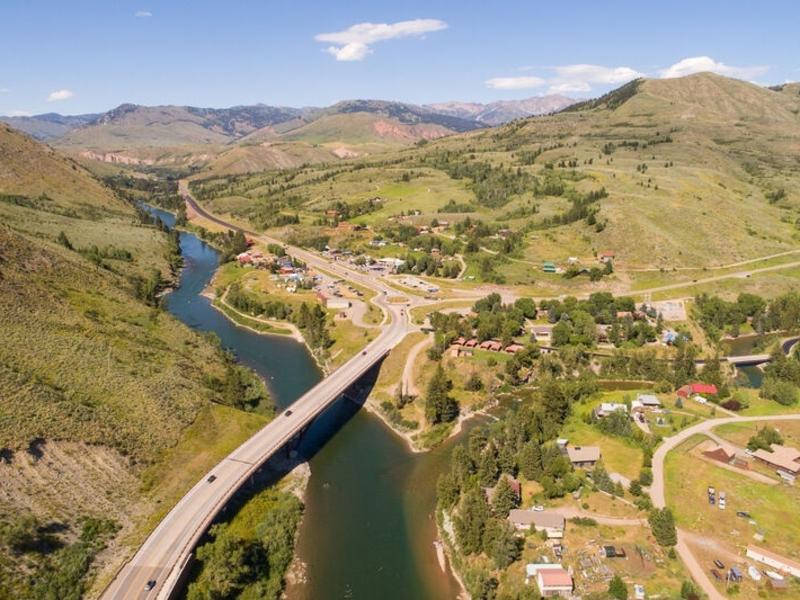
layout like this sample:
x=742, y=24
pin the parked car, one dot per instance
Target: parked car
x=743, y=513
x=719, y=563
x=716, y=574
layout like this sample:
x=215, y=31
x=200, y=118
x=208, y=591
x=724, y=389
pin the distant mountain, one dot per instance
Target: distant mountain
x=503, y=111
x=48, y=126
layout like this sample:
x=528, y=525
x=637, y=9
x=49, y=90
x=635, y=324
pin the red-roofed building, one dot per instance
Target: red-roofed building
x=554, y=582
x=704, y=389
x=514, y=348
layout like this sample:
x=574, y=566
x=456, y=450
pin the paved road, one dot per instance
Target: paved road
x=657, y=491
x=166, y=552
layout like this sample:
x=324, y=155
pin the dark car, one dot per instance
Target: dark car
x=719, y=563
x=288, y=413
x=149, y=585
x=716, y=574
x=364, y=353
x=211, y=478
x=743, y=513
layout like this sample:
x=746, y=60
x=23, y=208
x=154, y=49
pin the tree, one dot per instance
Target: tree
x=500, y=542
x=504, y=498
x=617, y=588
x=471, y=521
x=225, y=565
x=440, y=407
x=635, y=488
x=474, y=383
x=662, y=523
x=447, y=490
x=488, y=470
x=530, y=461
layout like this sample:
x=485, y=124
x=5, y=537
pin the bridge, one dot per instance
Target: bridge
x=166, y=554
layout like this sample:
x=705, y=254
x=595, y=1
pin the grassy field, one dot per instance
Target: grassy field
x=772, y=507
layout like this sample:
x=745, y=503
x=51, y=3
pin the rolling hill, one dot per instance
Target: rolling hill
x=250, y=138
x=698, y=172
x=101, y=389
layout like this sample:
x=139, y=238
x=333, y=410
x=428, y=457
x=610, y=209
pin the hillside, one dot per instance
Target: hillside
x=48, y=126
x=698, y=172
x=101, y=388
x=232, y=140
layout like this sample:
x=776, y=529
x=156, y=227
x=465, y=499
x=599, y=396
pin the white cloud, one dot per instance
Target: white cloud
x=20, y=113
x=59, y=95
x=142, y=14
x=698, y=64
x=354, y=42
x=581, y=77
x=4, y=90
x=514, y=83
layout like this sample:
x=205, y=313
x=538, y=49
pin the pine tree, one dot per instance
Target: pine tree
x=617, y=588
x=504, y=498
x=471, y=522
x=487, y=467
x=530, y=461
x=662, y=523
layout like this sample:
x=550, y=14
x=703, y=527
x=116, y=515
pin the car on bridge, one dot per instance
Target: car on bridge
x=149, y=585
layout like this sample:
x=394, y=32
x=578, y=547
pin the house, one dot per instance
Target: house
x=702, y=389
x=459, y=341
x=514, y=348
x=607, y=256
x=549, y=266
x=550, y=522
x=606, y=408
x=244, y=258
x=492, y=345
x=726, y=455
x=542, y=333
x=582, y=456
x=552, y=579
x=471, y=343
x=648, y=401
x=784, y=459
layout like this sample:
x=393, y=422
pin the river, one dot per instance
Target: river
x=368, y=527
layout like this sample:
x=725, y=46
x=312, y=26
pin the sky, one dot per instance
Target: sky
x=83, y=56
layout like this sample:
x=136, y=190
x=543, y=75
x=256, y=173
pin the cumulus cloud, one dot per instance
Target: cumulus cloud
x=59, y=95
x=699, y=64
x=566, y=79
x=354, y=42
x=142, y=14
x=514, y=83
x=581, y=77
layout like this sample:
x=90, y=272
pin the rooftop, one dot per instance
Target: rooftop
x=583, y=453
x=547, y=519
x=783, y=457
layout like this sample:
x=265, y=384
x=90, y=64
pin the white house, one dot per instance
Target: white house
x=550, y=522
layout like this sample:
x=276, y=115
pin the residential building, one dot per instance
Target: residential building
x=782, y=458
x=703, y=389
x=726, y=455
x=607, y=256
x=580, y=456
x=542, y=333
x=606, y=408
x=552, y=579
x=550, y=522
x=648, y=401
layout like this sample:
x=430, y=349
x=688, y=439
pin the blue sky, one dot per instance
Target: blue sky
x=90, y=56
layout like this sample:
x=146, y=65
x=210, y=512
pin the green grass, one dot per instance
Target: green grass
x=772, y=507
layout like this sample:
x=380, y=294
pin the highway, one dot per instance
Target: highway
x=167, y=551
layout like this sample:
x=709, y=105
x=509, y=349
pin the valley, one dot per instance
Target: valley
x=539, y=305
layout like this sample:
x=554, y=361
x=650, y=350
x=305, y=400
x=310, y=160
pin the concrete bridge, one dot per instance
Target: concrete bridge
x=166, y=554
